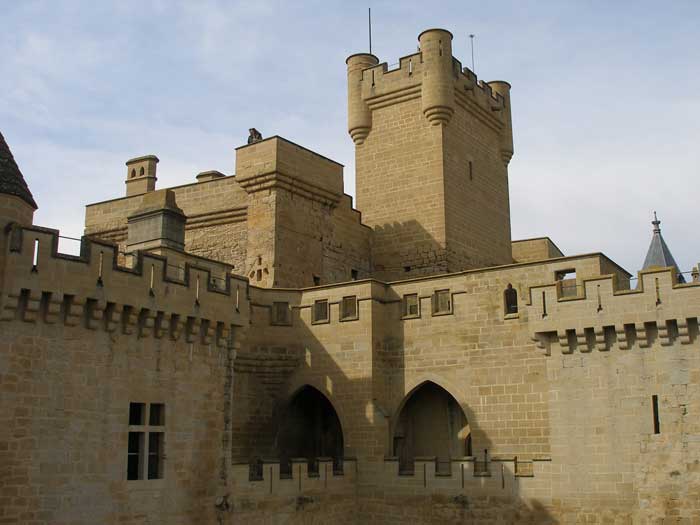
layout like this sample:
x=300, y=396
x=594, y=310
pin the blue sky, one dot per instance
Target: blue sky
x=606, y=100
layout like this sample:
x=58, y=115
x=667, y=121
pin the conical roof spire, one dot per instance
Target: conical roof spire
x=659, y=254
x=11, y=180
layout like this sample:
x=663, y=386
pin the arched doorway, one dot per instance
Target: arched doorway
x=431, y=423
x=309, y=428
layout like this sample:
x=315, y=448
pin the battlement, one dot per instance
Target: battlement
x=197, y=300
x=466, y=475
x=604, y=314
x=382, y=86
x=265, y=478
x=433, y=75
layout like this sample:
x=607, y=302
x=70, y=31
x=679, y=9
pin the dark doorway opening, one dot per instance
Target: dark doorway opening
x=431, y=423
x=309, y=428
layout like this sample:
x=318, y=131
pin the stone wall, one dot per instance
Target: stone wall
x=82, y=338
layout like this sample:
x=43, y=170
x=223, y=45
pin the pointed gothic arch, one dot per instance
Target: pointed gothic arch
x=309, y=428
x=430, y=422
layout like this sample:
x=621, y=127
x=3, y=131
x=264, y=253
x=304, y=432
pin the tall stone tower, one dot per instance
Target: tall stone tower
x=432, y=147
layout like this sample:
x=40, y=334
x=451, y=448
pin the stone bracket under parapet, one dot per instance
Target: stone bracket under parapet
x=641, y=334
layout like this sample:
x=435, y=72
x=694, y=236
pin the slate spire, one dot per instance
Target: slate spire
x=11, y=180
x=658, y=254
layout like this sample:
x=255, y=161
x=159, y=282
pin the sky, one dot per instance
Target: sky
x=605, y=100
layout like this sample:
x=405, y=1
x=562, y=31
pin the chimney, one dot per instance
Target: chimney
x=158, y=223
x=141, y=175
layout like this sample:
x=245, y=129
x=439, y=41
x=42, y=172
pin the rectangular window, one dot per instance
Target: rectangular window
x=655, y=410
x=157, y=416
x=155, y=455
x=354, y=274
x=145, y=444
x=348, y=308
x=441, y=302
x=136, y=413
x=320, y=312
x=410, y=305
x=134, y=466
x=280, y=313
x=317, y=280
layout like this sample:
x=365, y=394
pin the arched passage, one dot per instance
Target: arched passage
x=309, y=428
x=431, y=423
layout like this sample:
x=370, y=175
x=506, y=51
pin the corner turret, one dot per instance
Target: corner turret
x=438, y=76
x=359, y=114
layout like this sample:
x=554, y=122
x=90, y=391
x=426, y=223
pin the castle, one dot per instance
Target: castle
x=253, y=349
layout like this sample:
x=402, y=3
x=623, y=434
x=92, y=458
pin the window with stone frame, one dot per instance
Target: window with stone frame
x=320, y=311
x=280, y=313
x=348, y=307
x=442, y=303
x=146, y=441
x=411, y=305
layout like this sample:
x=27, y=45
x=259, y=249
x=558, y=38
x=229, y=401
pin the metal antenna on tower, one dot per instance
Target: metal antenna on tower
x=471, y=39
x=370, y=29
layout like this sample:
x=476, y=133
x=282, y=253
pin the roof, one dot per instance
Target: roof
x=11, y=180
x=659, y=255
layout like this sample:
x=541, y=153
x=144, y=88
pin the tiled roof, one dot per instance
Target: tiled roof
x=11, y=179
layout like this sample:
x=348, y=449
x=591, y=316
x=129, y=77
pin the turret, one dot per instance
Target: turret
x=438, y=75
x=16, y=201
x=502, y=88
x=359, y=114
x=141, y=175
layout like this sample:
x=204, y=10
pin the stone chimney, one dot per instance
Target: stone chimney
x=158, y=223
x=141, y=175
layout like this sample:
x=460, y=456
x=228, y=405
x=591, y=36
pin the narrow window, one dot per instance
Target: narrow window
x=353, y=274
x=441, y=302
x=155, y=455
x=133, y=173
x=35, y=257
x=258, y=275
x=410, y=305
x=280, y=313
x=510, y=296
x=134, y=456
x=141, y=171
x=655, y=410
x=320, y=312
x=317, y=280
x=471, y=170
x=348, y=308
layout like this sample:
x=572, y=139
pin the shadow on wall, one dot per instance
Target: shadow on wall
x=346, y=393
x=404, y=250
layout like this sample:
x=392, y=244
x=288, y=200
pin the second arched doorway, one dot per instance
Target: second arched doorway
x=430, y=423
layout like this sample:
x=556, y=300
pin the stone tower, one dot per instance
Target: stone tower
x=432, y=147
